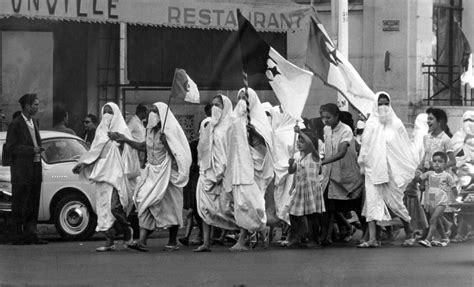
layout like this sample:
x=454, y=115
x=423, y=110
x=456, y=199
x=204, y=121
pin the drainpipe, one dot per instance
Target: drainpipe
x=340, y=23
x=122, y=64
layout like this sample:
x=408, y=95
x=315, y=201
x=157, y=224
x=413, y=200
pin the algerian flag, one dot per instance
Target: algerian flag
x=184, y=87
x=290, y=83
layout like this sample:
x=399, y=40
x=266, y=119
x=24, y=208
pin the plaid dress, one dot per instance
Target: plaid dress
x=307, y=197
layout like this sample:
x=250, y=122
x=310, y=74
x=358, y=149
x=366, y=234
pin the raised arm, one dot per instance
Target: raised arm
x=118, y=137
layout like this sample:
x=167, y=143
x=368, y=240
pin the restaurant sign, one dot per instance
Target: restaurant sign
x=204, y=14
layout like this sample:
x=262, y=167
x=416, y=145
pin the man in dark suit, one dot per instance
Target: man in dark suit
x=23, y=146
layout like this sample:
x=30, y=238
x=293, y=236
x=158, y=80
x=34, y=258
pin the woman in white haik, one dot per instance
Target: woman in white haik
x=250, y=167
x=111, y=167
x=159, y=195
x=388, y=160
x=213, y=203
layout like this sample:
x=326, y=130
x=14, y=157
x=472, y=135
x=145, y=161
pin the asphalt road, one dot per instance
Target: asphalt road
x=77, y=264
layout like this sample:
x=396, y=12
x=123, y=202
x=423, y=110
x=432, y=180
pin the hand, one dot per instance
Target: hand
x=38, y=149
x=291, y=161
x=297, y=129
x=362, y=170
x=77, y=169
x=116, y=136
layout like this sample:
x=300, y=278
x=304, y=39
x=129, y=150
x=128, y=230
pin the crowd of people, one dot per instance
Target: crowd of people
x=254, y=168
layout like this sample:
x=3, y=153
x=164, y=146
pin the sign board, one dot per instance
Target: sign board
x=391, y=25
x=204, y=14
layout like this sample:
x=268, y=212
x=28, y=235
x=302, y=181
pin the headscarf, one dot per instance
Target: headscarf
x=419, y=131
x=177, y=142
x=213, y=139
x=115, y=124
x=386, y=145
x=258, y=117
x=463, y=139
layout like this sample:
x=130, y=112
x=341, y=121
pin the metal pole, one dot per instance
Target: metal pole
x=343, y=43
x=122, y=62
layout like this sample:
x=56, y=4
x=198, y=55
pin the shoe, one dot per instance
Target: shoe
x=202, y=248
x=435, y=243
x=444, y=243
x=368, y=245
x=238, y=249
x=425, y=243
x=138, y=246
x=459, y=239
x=184, y=241
x=409, y=242
x=105, y=248
x=171, y=248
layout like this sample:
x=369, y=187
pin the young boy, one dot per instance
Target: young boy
x=435, y=199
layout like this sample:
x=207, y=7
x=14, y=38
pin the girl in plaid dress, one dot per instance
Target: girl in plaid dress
x=307, y=196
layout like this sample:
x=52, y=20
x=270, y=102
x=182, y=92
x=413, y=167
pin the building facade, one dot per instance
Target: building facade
x=81, y=56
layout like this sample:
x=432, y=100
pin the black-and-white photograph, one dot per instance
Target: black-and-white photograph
x=236, y=143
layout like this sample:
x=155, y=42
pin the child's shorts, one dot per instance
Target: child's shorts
x=433, y=198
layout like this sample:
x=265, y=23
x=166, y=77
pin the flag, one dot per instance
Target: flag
x=184, y=87
x=333, y=68
x=464, y=54
x=290, y=83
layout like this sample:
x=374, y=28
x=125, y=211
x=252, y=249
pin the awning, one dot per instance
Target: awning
x=202, y=14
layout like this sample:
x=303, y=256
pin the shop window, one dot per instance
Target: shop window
x=211, y=57
x=446, y=52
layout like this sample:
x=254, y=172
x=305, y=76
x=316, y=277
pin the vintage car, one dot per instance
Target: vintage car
x=67, y=199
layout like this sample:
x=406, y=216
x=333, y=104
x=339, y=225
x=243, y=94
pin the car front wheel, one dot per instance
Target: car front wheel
x=73, y=218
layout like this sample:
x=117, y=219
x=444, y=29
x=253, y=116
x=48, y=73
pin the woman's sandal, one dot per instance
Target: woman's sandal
x=367, y=245
x=137, y=246
x=202, y=248
x=425, y=243
x=409, y=242
x=238, y=249
x=171, y=248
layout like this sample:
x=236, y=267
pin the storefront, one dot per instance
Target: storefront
x=77, y=55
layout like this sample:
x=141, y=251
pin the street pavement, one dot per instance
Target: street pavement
x=70, y=264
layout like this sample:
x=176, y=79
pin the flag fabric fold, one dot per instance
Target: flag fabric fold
x=290, y=83
x=333, y=68
x=184, y=87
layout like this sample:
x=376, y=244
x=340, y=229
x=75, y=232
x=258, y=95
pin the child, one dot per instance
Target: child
x=438, y=184
x=437, y=139
x=308, y=196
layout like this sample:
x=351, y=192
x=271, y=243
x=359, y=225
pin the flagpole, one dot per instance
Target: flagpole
x=169, y=101
x=294, y=143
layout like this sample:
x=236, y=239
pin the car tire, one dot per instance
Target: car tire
x=74, y=218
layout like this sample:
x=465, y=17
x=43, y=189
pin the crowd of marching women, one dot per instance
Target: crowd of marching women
x=255, y=168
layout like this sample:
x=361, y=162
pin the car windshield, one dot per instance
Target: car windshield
x=63, y=149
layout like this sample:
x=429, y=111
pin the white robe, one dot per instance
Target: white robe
x=159, y=194
x=109, y=169
x=389, y=161
x=214, y=205
x=249, y=171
